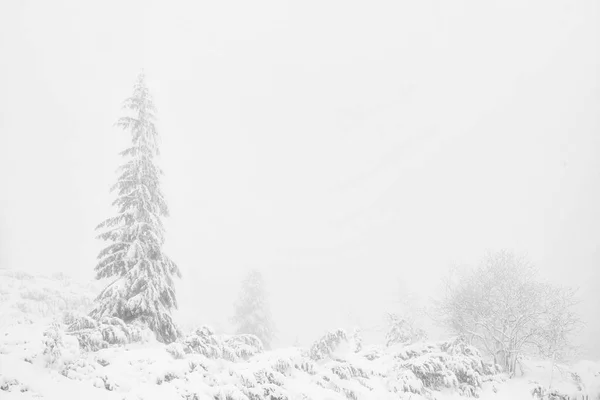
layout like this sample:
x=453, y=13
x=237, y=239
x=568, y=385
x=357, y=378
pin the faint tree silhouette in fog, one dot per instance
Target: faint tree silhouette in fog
x=252, y=314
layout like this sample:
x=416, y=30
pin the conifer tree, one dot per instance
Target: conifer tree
x=142, y=288
x=252, y=315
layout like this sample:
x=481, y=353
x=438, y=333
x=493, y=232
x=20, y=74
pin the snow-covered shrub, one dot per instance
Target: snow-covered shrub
x=408, y=352
x=196, y=365
x=168, y=376
x=103, y=381
x=176, y=350
x=348, y=371
x=203, y=341
x=541, y=392
x=402, y=380
x=43, y=299
x=94, y=335
x=326, y=345
x=230, y=392
x=538, y=391
x=25, y=308
x=326, y=383
x=264, y=376
x=68, y=317
x=13, y=385
x=232, y=347
x=357, y=340
x=53, y=344
x=35, y=294
x=80, y=370
x=431, y=370
x=450, y=364
x=80, y=322
x=6, y=384
x=371, y=352
x=306, y=366
x=242, y=346
x=16, y=274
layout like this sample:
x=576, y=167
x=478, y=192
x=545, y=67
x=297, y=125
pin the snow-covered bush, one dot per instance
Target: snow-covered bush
x=80, y=370
x=371, y=352
x=542, y=392
x=58, y=349
x=176, y=350
x=231, y=347
x=450, y=364
x=349, y=371
x=13, y=385
x=108, y=331
x=242, y=346
x=327, y=345
x=402, y=380
x=357, y=340
x=53, y=344
x=17, y=274
x=203, y=341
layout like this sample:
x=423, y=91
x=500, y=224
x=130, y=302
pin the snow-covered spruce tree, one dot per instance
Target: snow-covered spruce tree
x=252, y=314
x=143, y=288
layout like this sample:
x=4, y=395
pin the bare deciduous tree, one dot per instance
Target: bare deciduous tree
x=505, y=309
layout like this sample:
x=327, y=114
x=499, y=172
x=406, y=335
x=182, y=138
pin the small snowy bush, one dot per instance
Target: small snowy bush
x=357, y=340
x=94, y=335
x=53, y=344
x=176, y=350
x=541, y=392
x=80, y=370
x=450, y=364
x=203, y=341
x=327, y=345
x=372, y=352
x=232, y=348
x=13, y=385
x=243, y=346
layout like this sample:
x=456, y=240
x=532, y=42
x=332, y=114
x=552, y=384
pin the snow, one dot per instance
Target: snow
x=150, y=370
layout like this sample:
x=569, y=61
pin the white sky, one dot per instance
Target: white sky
x=338, y=145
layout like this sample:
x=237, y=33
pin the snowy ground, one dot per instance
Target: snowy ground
x=150, y=370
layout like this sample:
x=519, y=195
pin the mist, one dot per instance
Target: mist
x=343, y=148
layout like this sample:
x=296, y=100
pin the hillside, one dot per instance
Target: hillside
x=49, y=350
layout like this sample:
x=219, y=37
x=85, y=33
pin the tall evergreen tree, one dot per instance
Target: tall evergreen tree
x=252, y=314
x=143, y=288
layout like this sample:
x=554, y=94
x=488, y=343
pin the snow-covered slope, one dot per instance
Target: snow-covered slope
x=41, y=357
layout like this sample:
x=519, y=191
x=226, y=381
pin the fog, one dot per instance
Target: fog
x=341, y=147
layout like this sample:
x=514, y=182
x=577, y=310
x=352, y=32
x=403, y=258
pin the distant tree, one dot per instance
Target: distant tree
x=252, y=314
x=402, y=331
x=357, y=339
x=404, y=324
x=505, y=309
x=142, y=288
